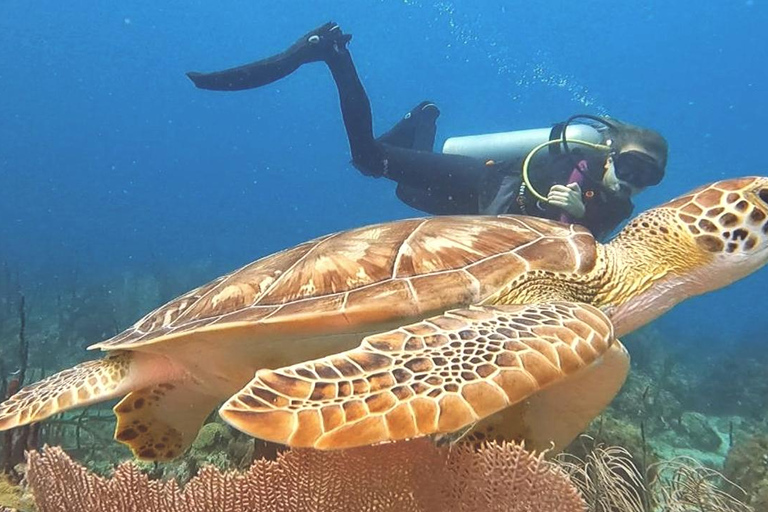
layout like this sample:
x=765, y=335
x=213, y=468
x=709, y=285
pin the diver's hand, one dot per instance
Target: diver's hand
x=567, y=198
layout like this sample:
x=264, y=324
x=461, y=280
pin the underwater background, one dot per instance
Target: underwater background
x=122, y=185
x=111, y=161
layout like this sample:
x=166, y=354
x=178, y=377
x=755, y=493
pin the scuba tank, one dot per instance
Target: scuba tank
x=517, y=144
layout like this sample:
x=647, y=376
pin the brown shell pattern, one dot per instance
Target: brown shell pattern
x=385, y=272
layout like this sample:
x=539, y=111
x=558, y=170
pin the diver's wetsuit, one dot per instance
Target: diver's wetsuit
x=436, y=183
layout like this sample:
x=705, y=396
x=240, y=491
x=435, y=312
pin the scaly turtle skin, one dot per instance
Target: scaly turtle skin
x=500, y=327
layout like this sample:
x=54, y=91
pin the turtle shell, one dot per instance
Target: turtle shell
x=376, y=276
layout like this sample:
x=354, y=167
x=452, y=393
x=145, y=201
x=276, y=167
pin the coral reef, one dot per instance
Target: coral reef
x=731, y=379
x=664, y=396
x=217, y=445
x=610, y=481
x=12, y=496
x=747, y=466
x=13, y=443
x=611, y=429
x=696, y=432
x=413, y=475
x=607, y=478
x=683, y=484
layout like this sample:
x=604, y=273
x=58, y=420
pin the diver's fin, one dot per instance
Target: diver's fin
x=314, y=46
x=416, y=130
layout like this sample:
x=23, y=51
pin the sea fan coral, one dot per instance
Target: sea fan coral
x=607, y=478
x=683, y=484
x=413, y=476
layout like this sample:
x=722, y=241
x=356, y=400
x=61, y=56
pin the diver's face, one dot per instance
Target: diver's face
x=635, y=167
x=611, y=182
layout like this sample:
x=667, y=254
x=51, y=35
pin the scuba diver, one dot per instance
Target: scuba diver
x=584, y=173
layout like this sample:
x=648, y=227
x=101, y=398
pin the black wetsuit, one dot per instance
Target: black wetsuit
x=436, y=183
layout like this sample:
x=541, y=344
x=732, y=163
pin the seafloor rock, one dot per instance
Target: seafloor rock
x=226, y=448
x=732, y=383
x=642, y=399
x=211, y=438
x=210, y=446
x=747, y=466
x=694, y=431
x=610, y=430
x=13, y=497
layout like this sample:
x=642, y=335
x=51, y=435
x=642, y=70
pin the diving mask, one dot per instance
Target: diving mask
x=637, y=168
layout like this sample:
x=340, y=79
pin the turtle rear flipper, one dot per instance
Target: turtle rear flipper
x=431, y=377
x=160, y=422
x=87, y=383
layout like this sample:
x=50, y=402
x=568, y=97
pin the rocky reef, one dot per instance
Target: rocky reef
x=747, y=467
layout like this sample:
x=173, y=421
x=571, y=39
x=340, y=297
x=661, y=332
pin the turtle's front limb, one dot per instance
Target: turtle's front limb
x=87, y=383
x=437, y=376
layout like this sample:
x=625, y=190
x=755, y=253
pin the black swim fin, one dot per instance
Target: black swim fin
x=316, y=45
x=416, y=130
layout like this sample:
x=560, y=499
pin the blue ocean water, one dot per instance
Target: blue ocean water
x=111, y=161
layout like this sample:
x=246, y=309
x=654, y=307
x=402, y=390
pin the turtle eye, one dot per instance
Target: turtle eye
x=763, y=195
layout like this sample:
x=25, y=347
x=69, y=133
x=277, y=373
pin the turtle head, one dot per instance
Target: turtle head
x=725, y=227
x=699, y=242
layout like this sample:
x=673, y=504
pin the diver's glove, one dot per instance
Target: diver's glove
x=316, y=45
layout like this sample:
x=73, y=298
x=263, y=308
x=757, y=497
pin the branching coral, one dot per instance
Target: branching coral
x=610, y=481
x=607, y=478
x=413, y=476
x=684, y=485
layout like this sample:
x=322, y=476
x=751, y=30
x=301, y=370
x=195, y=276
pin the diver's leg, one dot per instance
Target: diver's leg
x=356, y=112
x=374, y=157
x=416, y=130
x=412, y=168
x=460, y=175
x=426, y=128
x=422, y=169
x=311, y=47
x=437, y=183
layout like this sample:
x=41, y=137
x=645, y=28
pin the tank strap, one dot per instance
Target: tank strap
x=554, y=134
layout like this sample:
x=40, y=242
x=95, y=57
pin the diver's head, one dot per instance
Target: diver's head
x=638, y=156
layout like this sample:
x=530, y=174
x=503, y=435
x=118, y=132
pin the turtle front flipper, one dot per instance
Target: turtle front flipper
x=88, y=383
x=432, y=377
x=85, y=384
x=555, y=416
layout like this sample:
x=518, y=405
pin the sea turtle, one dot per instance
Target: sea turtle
x=486, y=326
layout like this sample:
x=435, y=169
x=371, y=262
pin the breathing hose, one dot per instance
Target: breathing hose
x=541, y=146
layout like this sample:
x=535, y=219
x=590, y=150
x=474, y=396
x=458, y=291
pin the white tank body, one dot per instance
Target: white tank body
x=512, y=145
